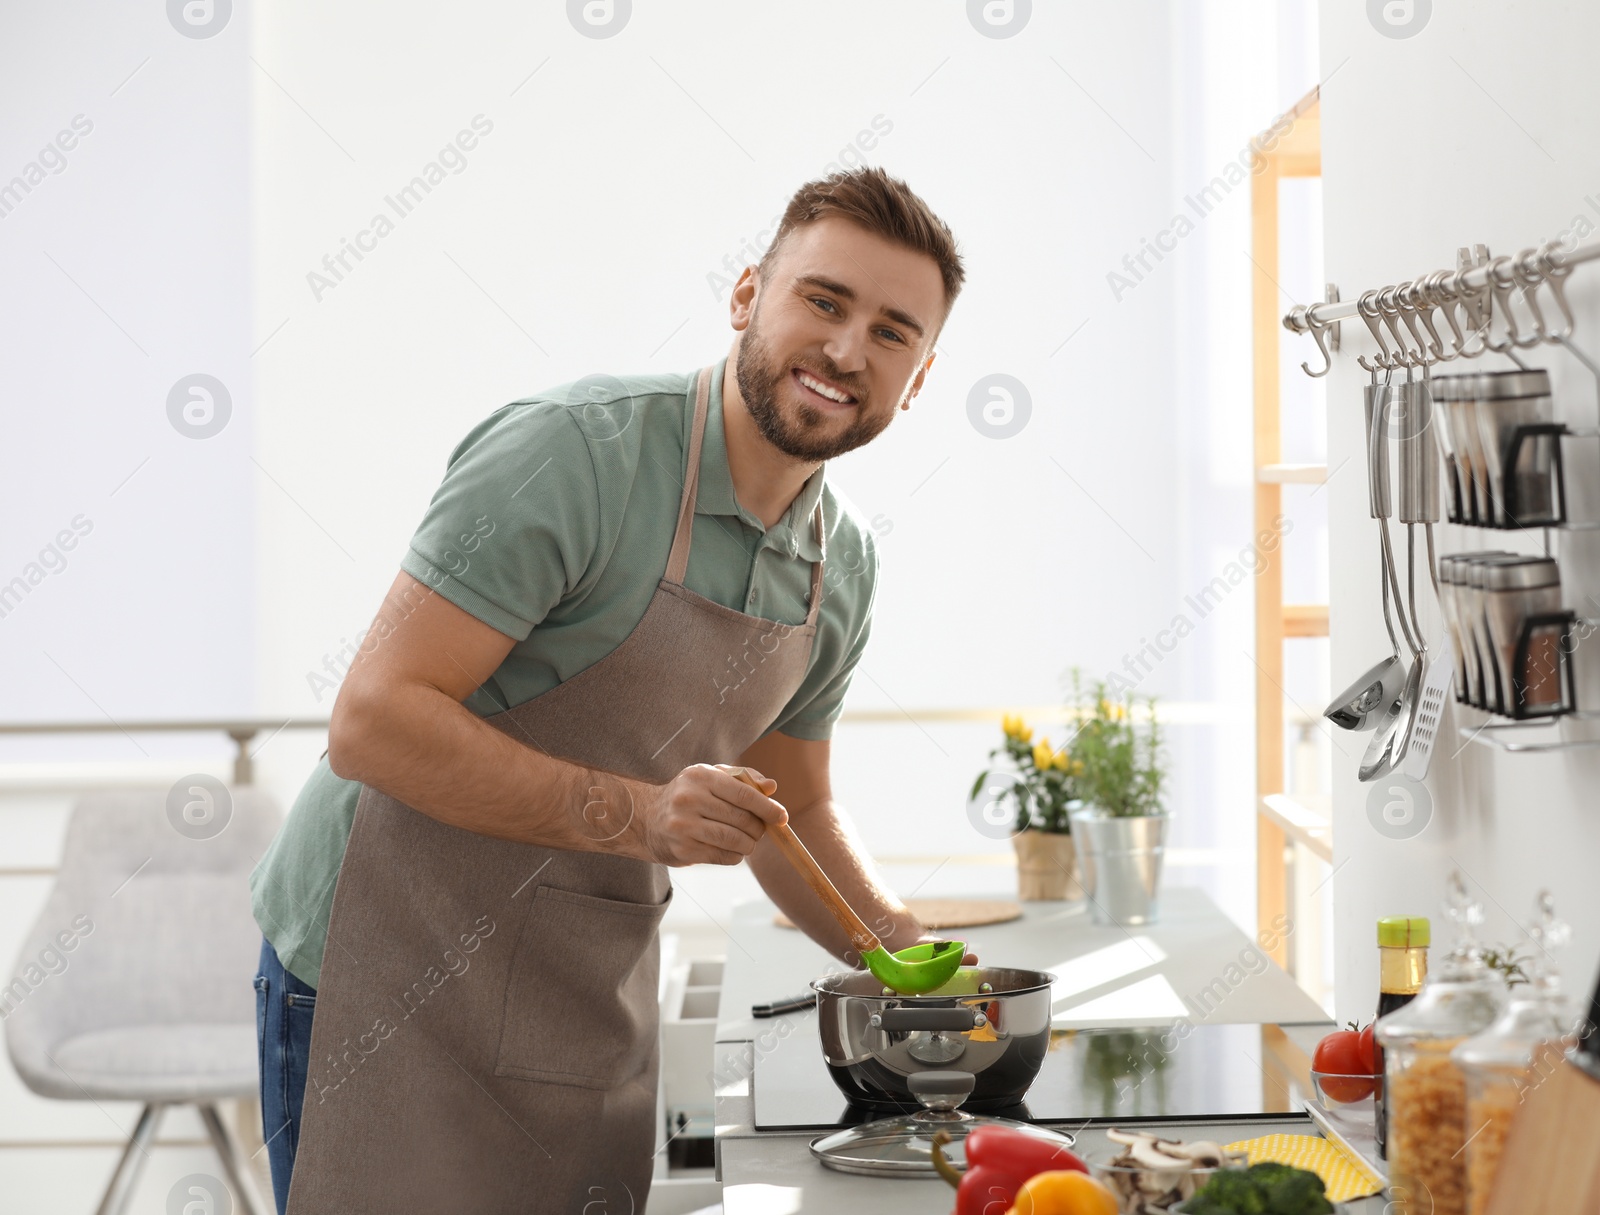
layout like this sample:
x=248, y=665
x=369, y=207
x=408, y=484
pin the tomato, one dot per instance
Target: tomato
x=1344, y=1057
x=1369, y=1051
x=1339, y=1054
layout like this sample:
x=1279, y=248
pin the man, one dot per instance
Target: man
x=621, y=588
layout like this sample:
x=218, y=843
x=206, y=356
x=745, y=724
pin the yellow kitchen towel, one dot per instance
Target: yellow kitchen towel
x=1342, y=1174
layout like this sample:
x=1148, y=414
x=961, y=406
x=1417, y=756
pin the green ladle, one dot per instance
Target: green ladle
x=911, y=971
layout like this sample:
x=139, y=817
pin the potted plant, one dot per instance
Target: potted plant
x=1121, y=826
x=1030, y=800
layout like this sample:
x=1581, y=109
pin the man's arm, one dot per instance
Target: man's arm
x=399, y=725
x=800, y=766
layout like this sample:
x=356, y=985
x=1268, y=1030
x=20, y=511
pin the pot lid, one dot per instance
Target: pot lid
x=903, y=1146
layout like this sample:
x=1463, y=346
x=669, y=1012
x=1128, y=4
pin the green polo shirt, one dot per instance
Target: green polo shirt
x=552, y=525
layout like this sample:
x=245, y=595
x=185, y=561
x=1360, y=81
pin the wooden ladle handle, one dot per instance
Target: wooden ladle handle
x=862, y=937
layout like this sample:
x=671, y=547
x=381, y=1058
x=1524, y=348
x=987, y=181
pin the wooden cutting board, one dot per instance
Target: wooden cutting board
x=939, y=914
x=1552, y=1157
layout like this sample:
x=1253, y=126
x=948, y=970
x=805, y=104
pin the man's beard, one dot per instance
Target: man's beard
x=759, y=378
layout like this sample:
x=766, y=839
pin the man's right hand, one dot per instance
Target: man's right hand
x=706, y=815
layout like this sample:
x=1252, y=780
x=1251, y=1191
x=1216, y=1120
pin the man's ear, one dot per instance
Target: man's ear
x=922, y=374
x=742, y=303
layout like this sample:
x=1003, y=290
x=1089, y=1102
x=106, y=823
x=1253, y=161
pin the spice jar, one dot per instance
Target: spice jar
x=1515, y=487
x=1472, y=609
x=1424, y=1089
x=1499, y=1063
x=1513, y=591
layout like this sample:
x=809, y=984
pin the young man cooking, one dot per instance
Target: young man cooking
x=620, y=585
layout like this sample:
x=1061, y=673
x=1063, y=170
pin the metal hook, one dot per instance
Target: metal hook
x=1389, y=311
x=1502, y=295
x=1423, y=305
x=1555, y=274
x=1406, y=296
x=1315, y=328
x=1527, y=282
x=1367, y=310
x=1480, y=319
x=1446, y=303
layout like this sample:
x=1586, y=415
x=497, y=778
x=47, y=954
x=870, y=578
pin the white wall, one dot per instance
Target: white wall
x=1052, y=154
x=1480, y=128
x=620, y=173
x=125, y=270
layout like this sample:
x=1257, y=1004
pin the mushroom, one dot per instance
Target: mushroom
x=1155, y=1173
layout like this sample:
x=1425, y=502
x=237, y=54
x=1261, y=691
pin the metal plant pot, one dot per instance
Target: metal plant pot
x=1120, y=863
x=992, y=1022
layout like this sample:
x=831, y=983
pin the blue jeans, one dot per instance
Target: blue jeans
x=284, y=1008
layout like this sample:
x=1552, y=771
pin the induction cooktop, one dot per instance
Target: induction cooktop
x=1195, y=1072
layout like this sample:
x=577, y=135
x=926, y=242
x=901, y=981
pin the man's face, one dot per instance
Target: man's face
x=845, y=307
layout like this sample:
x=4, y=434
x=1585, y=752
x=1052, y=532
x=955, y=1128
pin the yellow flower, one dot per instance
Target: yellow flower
x=1043, y=755
x=1102, y=708
x=1121, y=712
x=1014, y=728
x=1064, y=762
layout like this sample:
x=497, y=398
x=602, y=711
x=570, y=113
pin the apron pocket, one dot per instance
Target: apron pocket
x=581, y=1002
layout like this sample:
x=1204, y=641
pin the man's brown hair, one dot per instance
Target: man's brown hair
x=883, y=205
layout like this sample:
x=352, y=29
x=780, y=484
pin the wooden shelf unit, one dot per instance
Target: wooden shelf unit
x=1280, y=821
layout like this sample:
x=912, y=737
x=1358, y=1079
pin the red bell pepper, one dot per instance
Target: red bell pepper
x=999, y=1160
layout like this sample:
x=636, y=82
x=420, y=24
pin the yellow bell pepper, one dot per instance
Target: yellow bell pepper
x=1063, y=1192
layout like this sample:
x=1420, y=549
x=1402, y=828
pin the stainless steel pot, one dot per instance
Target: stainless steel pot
x=992, y=1022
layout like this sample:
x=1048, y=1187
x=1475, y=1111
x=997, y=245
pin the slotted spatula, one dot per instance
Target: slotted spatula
x=1419, y=503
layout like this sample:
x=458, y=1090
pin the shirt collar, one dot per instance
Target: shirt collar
x=715, y=495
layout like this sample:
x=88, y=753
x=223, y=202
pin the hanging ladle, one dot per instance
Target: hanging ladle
x=1388, y=744
x=1363, y=703
x=911, y=971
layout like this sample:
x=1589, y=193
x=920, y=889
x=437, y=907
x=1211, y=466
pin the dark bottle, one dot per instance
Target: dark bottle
x=1402, y=966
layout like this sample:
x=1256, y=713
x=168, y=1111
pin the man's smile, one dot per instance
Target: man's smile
x=822, y=393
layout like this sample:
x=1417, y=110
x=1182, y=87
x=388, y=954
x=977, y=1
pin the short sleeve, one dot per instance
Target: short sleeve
x=514, y=524
x=814, y=719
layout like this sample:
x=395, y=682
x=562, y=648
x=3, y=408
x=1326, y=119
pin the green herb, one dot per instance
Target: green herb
x=1504, y=959
x=1123, y=768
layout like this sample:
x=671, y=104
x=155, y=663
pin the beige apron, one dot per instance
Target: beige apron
x=485, y=1032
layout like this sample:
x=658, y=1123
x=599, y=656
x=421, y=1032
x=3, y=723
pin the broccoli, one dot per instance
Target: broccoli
x=1262, y=1189
x=1297, y=1192
x=1229, y=1192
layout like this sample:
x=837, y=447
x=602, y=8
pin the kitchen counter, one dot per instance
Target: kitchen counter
x=1194, y=964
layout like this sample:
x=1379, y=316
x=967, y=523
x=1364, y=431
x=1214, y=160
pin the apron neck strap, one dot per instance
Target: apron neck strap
x=816, y=566
x=678, y=559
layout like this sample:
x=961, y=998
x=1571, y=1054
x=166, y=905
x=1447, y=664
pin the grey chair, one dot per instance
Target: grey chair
x=134, y=984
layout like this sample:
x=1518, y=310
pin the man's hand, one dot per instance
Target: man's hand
x=706, y=815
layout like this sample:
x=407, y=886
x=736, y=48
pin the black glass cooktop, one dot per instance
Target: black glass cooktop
x=1224, y=1072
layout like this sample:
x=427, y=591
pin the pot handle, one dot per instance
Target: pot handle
x=929, y=1087
x=895, y=1019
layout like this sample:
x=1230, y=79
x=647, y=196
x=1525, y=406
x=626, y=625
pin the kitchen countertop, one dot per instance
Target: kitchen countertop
x=1194, y=963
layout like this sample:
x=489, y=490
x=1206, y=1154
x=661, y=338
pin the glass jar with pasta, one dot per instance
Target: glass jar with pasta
x=1424, y=1088
x=1510, y=1058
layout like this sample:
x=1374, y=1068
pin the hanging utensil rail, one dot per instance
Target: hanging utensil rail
x=1401, y=317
